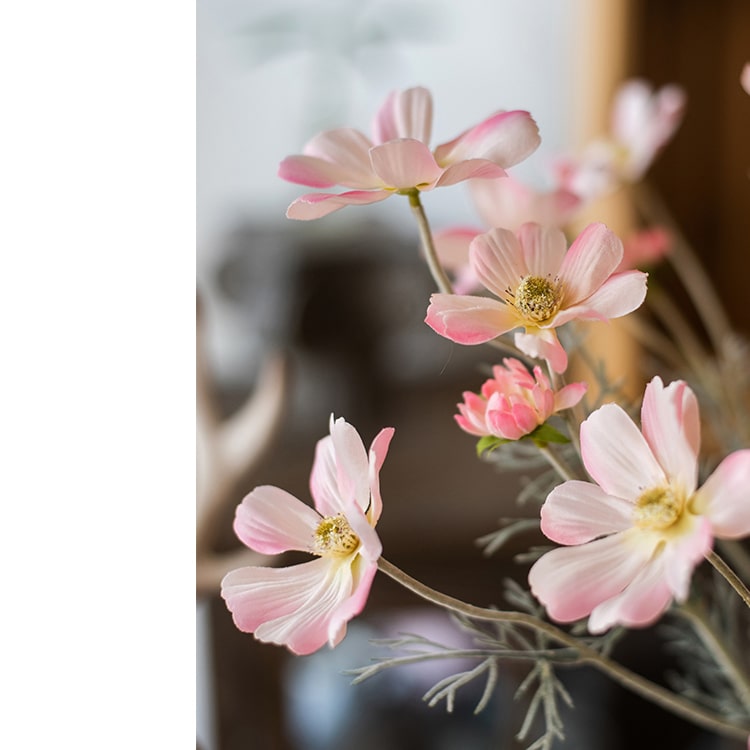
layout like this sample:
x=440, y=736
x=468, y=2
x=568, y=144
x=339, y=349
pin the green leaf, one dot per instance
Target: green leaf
x=546, y=433
x=488, y=443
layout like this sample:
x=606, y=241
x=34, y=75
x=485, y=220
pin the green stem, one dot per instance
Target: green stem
x=586, y=655
x=732, y=578
x=428, y=245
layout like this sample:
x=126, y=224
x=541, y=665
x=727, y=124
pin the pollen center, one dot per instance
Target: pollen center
x=658, y=508
x=334, y=537
x=536, y=298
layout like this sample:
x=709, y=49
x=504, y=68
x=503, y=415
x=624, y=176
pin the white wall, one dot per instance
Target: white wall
x=476, y=56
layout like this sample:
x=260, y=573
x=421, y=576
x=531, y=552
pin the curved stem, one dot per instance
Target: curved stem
x=733, y=579
x=428, y=245
x=587, y=655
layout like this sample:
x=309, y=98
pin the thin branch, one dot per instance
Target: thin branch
x=732, y=578
x=428, y=245
x=630, y=680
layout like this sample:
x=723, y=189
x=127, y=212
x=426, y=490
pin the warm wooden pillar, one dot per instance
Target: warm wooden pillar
x=602, y=61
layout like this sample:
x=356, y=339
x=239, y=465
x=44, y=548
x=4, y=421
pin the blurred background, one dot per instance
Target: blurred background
x=341, y=302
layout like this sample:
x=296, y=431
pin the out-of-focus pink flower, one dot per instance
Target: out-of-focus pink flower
x=509, y=203
x=398, y=159
x=307, y=605
x=513, y=403
x=645, y=248
x=541, y=285
x=636, y=535
x=452, y=248
x=643, y=121
x=745, y=78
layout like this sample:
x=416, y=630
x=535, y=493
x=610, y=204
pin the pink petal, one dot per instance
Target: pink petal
x=470, y=169
x=544, y=344
x=370, y=545
x=670, y=424
x=619, y=295
x=544, y=249
x=684, y=552
x=405, y=163
x=405, y=114
x=642, y=603
x=569, y=396
x=497, y=260
x=617, y=456
x=591, y=259
x=576, y=512
x=724, y=497
x=363, y=573
x=352, y=468
x=452, y=246
x=745, y=83
x=506, y=138
x=378, y=452
x=287, y=606
x=317, y=205
x=503, y=424
x=509, y=203
x=271, y=521
x=469, y=320
x=334, y=157
x=571, y=581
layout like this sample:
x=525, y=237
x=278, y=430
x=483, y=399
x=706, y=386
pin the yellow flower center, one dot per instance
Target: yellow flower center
x=536, y=298
x=658, y=508
x=334, y=537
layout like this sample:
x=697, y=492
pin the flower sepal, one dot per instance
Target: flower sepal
x=541, y=436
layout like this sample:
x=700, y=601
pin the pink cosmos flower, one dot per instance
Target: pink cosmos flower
x=397, y=157
x=643, y=121
x=452, y=249
x=504, y=203
x=636, y=535
x=306, y=605
x=513, y=403
x=540, y=286
x=509, y=203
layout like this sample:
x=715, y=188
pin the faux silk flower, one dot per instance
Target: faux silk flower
x=643, y=121
x=541, y=285
x=635, y=535
x=307, y=605
x=510, y=203
x=514, y=402
x=397, y=158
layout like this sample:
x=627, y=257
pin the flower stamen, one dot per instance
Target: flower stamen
x=537, y=298
x=334, y=537
x=658, y=508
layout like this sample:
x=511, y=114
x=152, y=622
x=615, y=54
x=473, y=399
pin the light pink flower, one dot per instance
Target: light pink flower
x=504, y=203
x=541, y=285
x=452, y=248
x=509, y=203
x=636, y=535
x=513, y=403
x=306, y=605
x=643, y=121
x=398, y=159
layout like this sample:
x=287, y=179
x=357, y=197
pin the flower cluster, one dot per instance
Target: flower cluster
x=633, y=511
